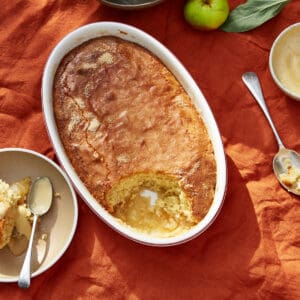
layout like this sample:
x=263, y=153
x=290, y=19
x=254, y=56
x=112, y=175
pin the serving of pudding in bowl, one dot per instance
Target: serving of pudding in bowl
x=15, y=217
x=54, y=231
x=134, y=133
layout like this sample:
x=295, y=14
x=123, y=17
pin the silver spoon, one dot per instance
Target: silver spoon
x=39, y=202
x=285, y=158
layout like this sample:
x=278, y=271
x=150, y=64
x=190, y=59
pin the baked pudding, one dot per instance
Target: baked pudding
x=15, y=217
x=134, y=137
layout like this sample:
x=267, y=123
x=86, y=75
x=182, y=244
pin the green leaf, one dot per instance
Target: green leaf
x=252, y=14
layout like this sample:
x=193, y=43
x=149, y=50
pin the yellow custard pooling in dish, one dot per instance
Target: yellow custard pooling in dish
x=134, y=137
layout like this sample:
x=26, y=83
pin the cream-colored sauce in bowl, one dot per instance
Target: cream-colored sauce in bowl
x=285, y=61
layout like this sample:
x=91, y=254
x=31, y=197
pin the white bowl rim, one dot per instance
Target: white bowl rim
x=76, y=38
x=273, y=73
x=75, y=218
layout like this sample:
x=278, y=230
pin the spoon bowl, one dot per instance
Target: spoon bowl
x=40, y=196
x=282, y=163
x=286, y=163
x=39, y=202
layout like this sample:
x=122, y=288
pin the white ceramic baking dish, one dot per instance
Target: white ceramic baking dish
x=135, y=35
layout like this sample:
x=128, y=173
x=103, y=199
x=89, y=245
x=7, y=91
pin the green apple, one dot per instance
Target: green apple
x=206, y=14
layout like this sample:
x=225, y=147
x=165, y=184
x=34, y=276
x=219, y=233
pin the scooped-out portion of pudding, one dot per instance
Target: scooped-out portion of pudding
x=152, y=203
x=134, y=136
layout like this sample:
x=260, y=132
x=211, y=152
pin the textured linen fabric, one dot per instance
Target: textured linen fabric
x=252, y=250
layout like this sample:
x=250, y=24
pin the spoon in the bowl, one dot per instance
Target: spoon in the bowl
x=39, y=201
x=286, y=163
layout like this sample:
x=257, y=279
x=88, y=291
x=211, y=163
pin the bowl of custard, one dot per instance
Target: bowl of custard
x=284, y=61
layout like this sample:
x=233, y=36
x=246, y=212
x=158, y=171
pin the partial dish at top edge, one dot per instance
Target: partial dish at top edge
x=131, y=4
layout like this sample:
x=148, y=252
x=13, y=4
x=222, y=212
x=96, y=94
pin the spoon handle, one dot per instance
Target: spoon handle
x=252, y=82
x=25, y=275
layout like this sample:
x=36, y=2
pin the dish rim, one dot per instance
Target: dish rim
x=133, y=34
x=75, y=217
x=131, y=6
x=283, y=88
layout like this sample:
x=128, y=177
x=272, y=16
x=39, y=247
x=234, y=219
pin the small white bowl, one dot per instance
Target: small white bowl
x=273, y=53
x=135, y=35
x=58, y=224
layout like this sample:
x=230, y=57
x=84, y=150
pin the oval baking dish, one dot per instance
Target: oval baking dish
x=141, y=38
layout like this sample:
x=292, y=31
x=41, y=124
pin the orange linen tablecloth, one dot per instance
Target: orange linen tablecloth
x=252, y=251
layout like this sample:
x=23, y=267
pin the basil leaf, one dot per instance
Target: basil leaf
x=252, y=14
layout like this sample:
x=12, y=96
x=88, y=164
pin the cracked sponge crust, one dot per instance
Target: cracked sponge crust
x=120, y=112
